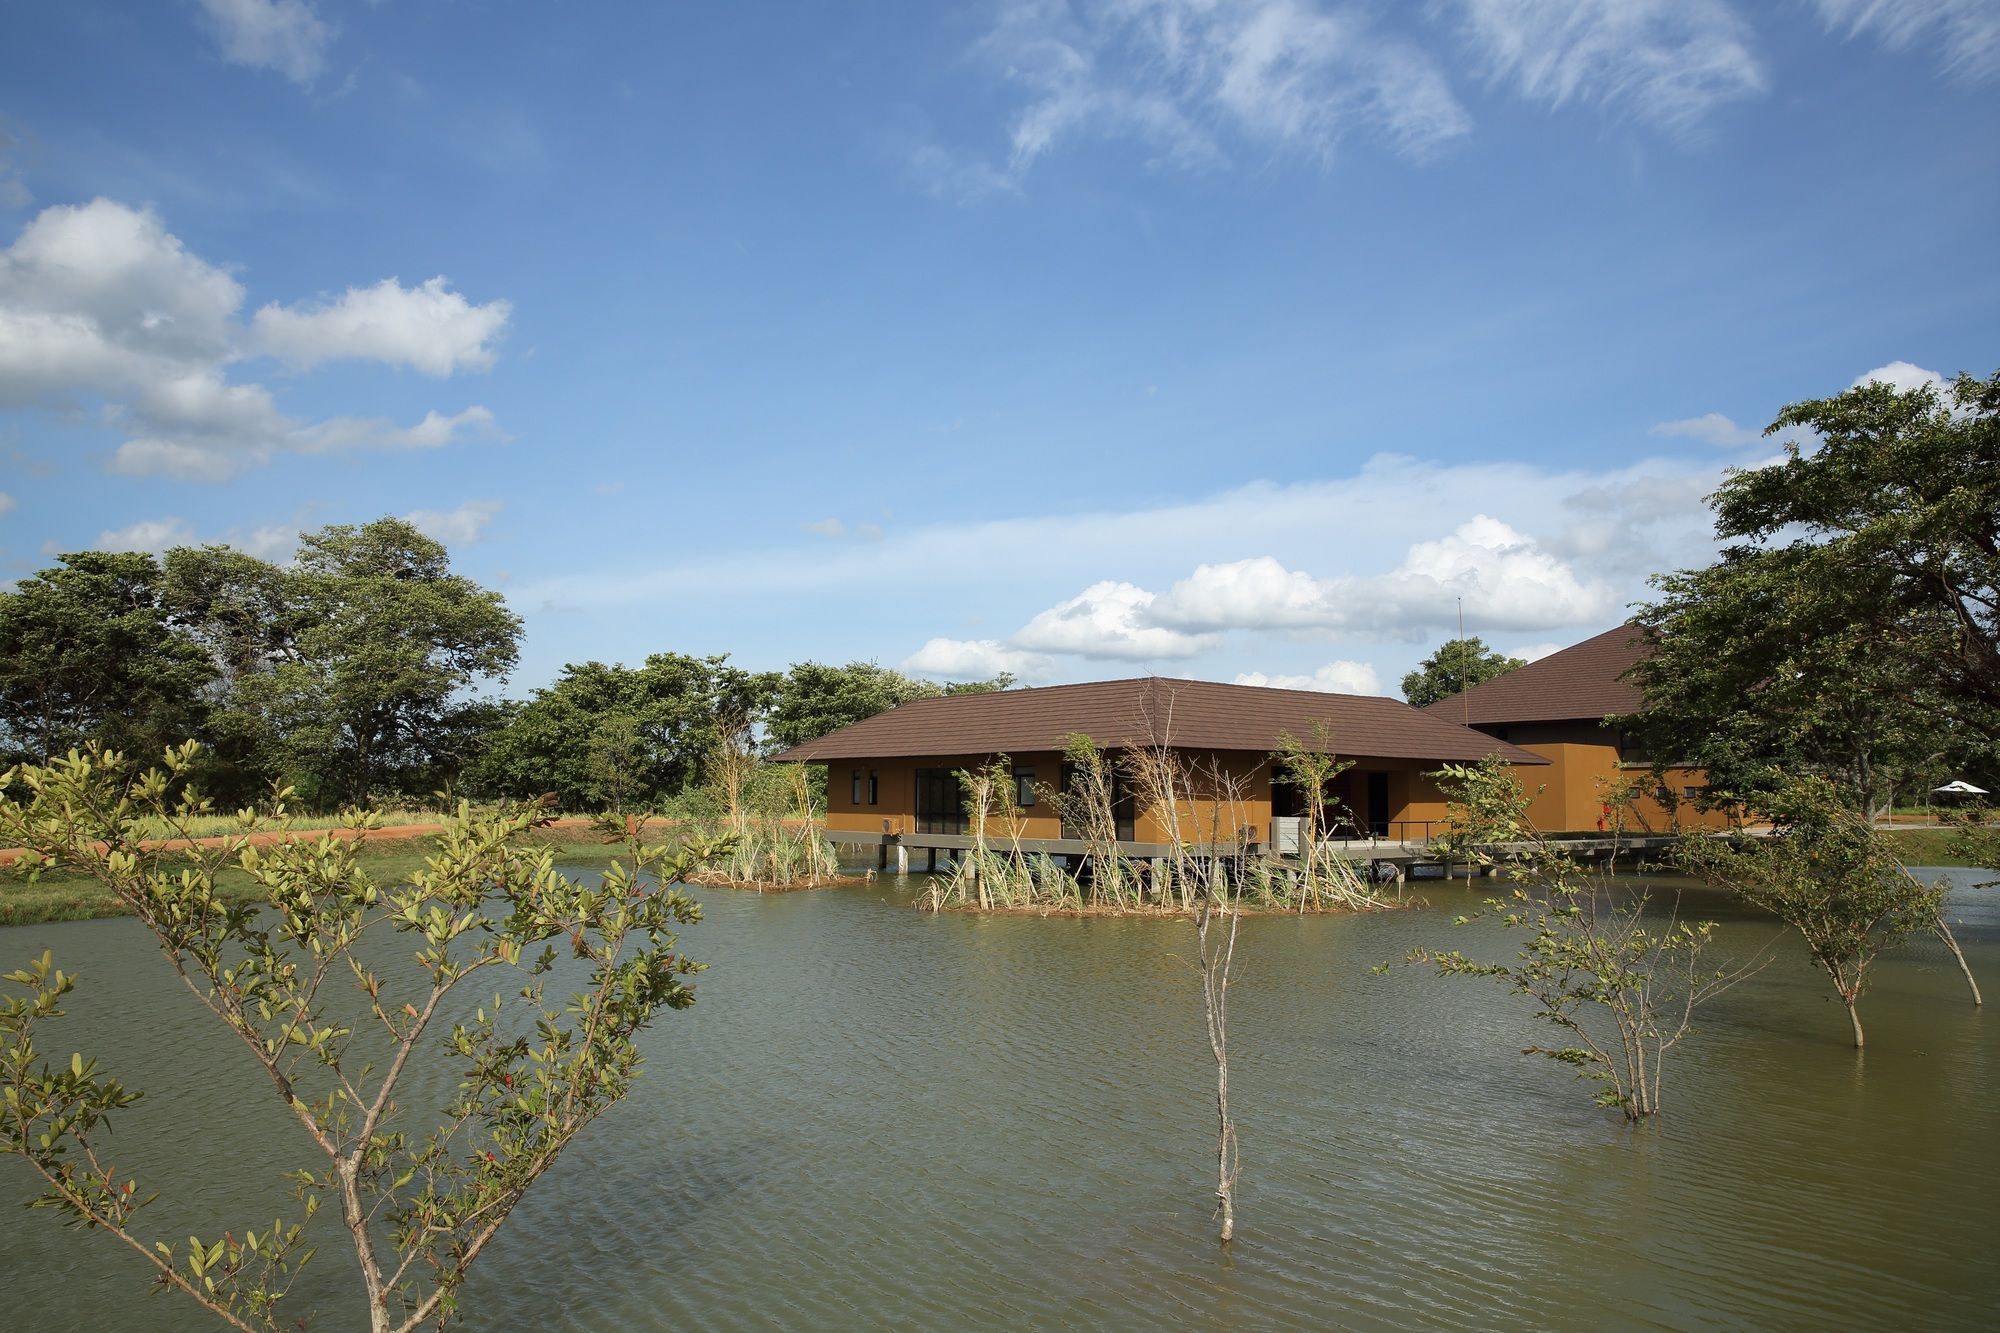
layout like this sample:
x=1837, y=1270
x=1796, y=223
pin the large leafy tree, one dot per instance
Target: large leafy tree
x=618, y=736
x=247, y=615
x=1849, y=628
x=1457, y=665
x=390, y=646
x=815, y=699
x=88, y=651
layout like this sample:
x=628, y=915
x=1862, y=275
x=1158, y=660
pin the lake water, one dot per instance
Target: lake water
x=879, y=1117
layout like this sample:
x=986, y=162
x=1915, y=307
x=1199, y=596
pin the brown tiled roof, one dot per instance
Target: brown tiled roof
x=1194, y=714
x=1582, y=681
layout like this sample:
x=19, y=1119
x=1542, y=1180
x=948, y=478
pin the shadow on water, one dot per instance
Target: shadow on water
x=879, y=1116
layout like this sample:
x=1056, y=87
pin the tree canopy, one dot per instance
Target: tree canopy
x=88, y=651
x=1849, y=628
x=1456, y=666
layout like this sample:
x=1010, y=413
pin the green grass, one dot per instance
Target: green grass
x=69, y=897
x=1926, y=847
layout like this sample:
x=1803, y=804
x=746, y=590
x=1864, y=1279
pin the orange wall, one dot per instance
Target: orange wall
x=1584, y=765
x=1413, y=796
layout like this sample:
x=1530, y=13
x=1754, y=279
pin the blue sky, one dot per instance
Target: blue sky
x=1241, y=341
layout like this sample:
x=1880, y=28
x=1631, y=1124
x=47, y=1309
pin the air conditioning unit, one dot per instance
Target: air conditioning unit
x=1285, y=832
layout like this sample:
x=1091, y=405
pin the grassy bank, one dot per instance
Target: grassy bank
x=1926, y=847
x=58, y=896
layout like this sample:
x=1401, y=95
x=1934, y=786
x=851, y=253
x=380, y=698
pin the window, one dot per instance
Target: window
x=1692, y=793
x=854, y=795
x=1024, y=787
x=874, y=786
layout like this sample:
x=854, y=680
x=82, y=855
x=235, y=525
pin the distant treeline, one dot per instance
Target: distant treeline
x=365, y=670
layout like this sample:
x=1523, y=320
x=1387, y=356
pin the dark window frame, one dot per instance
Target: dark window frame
x=874, y=787
x=1024, y=788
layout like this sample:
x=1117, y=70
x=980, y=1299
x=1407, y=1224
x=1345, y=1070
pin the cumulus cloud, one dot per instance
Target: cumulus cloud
x=429, y=328
x=1535, y=652
x=284, y=35
x=1109, y=619
x=1188, y=80
x=100, y=302
x=1505, y=579
x=1966, y=33
x=461, y=526
x=154, y=535
x=1903, y=377
x=1710, y=428
x=1342, y=677
x=1669, y=62
x=975, y=659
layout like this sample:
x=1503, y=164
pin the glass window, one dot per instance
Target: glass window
x=854, y=795
x=1024, y=787
x=874, y=786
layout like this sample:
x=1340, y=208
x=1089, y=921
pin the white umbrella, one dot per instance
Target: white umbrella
x=1959, y=787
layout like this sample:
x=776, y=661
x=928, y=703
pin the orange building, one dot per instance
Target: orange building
x=893, y=777
x=1556, y=707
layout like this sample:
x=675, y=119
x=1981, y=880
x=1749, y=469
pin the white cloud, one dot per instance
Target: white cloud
x=1710, y=427
x=429, y=328
x=1109, y=619
x=154, y=535
x=99, y=301
x=1966, y=32
x=1535, y=652
x=1505, y=579
x=461, y=526
x=6, y=502
x=1669, y=62
x=1903, y=377
x=1342, y=677
x=1186, y=79
x=975, y=659
x=284, y=35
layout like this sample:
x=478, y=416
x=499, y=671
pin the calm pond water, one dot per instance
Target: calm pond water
x=879, y=1117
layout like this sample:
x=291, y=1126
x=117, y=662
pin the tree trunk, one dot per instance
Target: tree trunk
x=1854, y=1017
x=1951, y=943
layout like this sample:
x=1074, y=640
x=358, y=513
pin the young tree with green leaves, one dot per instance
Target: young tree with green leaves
x=1456, y=666
x=1621, y=991
x=1828, y=874
x=339, y=989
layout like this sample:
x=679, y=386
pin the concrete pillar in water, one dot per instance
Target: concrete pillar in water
x=930, y=862
x=902, y=859
x=1156, y=878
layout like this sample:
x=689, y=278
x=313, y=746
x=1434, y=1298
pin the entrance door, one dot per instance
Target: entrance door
x=1378, y=805
x=940, y=804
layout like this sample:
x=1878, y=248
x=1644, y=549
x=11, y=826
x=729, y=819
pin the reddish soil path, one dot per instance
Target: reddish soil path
x=9, y=855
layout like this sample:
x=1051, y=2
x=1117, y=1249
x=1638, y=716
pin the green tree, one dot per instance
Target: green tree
x=1456, y=666
x=246, y=615
x=1849, y=628
x=338, y=1029
x=814, y=699
x=390, y=644
x=89, y=652
x=1829, y=875
x=616, y=736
